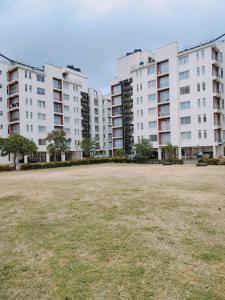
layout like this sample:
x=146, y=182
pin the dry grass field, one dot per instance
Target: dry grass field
x=113, y=231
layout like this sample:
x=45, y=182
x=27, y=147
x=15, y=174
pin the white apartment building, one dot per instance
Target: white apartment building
x=171, y=96
x=34, y=101
x=100, y=120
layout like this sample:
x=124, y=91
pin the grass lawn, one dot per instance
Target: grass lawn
x=113, y=231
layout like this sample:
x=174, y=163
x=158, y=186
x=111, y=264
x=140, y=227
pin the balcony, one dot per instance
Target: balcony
x=14, y=106
x=13, y=91
x=164, y=114
x=14, y=119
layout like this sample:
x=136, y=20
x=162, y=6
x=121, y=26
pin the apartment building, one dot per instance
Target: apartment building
x=34, y=101
x=171, y=96
x=100, y=120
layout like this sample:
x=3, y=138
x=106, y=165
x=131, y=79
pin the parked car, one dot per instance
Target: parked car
x=202, y=154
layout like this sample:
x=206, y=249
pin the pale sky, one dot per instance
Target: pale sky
x=92, y=34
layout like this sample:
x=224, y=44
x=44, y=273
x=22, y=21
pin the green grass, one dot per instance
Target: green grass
x=113, y=232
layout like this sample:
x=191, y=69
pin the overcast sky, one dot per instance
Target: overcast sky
x=92, y=34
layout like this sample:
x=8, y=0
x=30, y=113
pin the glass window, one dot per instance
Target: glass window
x=152, y=124
x=163, y=67
x=185, y=120
x=185, y=105
x=151, y=70
x=152, y=97
x=40, y=91
x=184, y=75
x=151, y=83
x=185, y=135
x=185, y=90
x=183, y=60
x=40, y=78
x=163, y=82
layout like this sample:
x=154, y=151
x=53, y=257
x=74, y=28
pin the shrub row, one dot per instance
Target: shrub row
x=212, y=161
x=4, y=168
x=90, y=161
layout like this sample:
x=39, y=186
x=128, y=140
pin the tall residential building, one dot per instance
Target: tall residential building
x=100, y=120
x=171, y=96
x=34, y=101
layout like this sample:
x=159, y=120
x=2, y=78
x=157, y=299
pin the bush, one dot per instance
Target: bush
x=209, y=161
x=91, y=161
x=174, y=161
x=4, y=168
x=120, y=153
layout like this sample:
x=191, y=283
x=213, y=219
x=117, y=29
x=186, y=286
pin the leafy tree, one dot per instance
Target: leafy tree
x=58, y=143
x=120, y=153
x=170, y=151
x=18, y=146
x=89, y=146
x=144, y=147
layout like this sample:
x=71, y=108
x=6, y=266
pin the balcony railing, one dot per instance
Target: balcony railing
x=13, y=91
x=14, y=105
x=14, y=119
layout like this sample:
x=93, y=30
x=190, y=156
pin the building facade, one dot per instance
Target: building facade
x=171, y=96
x=34, y=102
x=100, y=121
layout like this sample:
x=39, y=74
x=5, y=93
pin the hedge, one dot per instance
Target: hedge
x=4, y=168
x=212, y=161
x=90, y=161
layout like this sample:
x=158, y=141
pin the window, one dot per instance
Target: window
x=30, y=88
x=31, y=102
x=96, y=100
x=153, y=138
x=25, y=87
x=152, y=97
x=163, y=67
x=152, y=111
x=222, y=103
x=203, y=70
x=42, y=129
x=40, y=78
x=31, y=128
x=199, y=102
x=151, y=70
x=42, y=142
x=141, y=111
x=199, y=134
x=198, y=87
x=0, y=72
x=163, y=82
x=26, y=101
x=204, y=102
x=31, y=115
x=0, y=99
x=164, y=96
x=41, y=103
x=204, y=118
x=202, y=53
x=27, y=114
x=199, y=119
x=184, y=75
x=66, y=97
x=66, y=120
x=25, y=74
x=66, y=108
x=66, y=85
x=186, y=135
x=198, y=71
x=41, y=117
x=27, y=128
x=40, y=91
x=185, y=90
x=1, y=113
x=151, y=83
x=29, y=75
x=197, y=54
x=96, y=110
x=185, y=120
x=185, y=105
x=203, y=86
x=116, y=89
x=152, y=124
x=183, y=60
x=205, y=134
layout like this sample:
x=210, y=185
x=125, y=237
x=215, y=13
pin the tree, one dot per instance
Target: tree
x=144, y=147
x=18, y=146
x=89, y=146
x=58, y=143
x=170, y=151
x=120, y=153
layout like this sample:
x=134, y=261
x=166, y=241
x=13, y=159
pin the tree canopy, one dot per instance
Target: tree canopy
x=89, y=146
x=58, y=142
x=144, y=147
x=18, y=146
x=120, y=153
